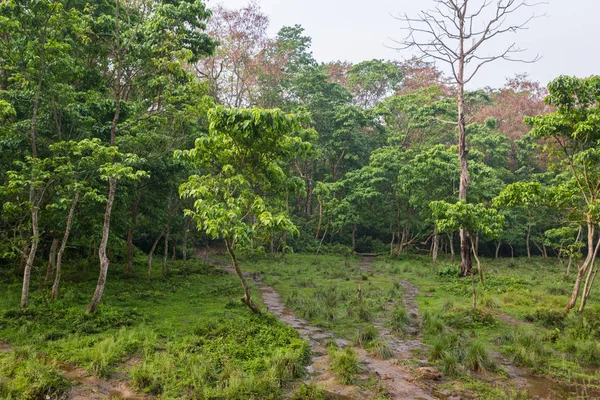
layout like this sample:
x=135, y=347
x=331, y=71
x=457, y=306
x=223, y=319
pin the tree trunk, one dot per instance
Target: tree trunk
x=174, y=248
x=165, y=252
x=151, y=253
x=353, y=238
x=247, y=299
x=320, y=244
x=63, y=246
x=51, y=259
x=465, y=242
x=392, y=244
x=527, y=241
x=320, y=220
x=399, y=229
x=451, y=243
x=583, y=269
x=112, y=182
x=104, y=261
x=132, y=224
x=33, y=196
x=186, y=230
x=498, y=248
x=435, y=245
x=587, y=287
x=474, y=292
x=479, y=270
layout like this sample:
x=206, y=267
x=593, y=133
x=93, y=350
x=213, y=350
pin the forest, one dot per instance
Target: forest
x=194, y=208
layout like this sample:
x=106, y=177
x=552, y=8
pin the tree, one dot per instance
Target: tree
x=239, y=198
x=371, y=81
x=473, y=218
x=574, y=132
x=456, y=32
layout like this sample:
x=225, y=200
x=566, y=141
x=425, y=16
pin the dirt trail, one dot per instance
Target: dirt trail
x=398, y=382
x=93, y=388
x=87, y=387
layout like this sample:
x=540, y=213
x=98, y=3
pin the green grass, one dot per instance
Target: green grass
x=345, y=364
x=190, y=334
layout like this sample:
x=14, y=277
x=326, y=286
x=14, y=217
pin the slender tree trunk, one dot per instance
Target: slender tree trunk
x=51, y=259
x=174, y=248
x=320, y=220
x=186, y=230
x=451, y=243
x=399, y=228
x=112, y=182
x=132, y=224
x=435, y=245
x=392, y=244
x=63, y=246
x=247, y=299
x=478, y=264
x=166, y=250
x=584, y=267
x=33, y=196
x=587, y=287
x=498, y=248
x=320, y=244
x=151, y=253
x=465, y=241
x=353, y=238
x=527, y=240
x=512, y=254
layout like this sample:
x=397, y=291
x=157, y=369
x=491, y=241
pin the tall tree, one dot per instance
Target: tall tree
x=457, y=32
x=574, y=129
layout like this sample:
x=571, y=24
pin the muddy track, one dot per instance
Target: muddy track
x=398, y=382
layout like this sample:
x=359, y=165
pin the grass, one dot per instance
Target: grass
x=345, y=364
x=190, y=335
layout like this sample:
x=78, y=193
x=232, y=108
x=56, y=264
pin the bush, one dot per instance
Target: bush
x=345, y=364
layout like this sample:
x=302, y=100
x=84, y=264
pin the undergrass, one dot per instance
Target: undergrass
x=189, y=334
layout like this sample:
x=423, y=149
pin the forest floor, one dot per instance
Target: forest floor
x=336, y=328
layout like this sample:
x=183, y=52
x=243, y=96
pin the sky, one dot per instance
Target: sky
x=566, y=35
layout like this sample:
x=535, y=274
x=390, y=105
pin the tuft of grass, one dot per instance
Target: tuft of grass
x=477, y=357
x=400, y=320
x=345, y=364
x=308, y=392
x=381, y=349
x=366, y=336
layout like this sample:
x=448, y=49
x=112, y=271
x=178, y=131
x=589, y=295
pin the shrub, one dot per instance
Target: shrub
x=345, y=364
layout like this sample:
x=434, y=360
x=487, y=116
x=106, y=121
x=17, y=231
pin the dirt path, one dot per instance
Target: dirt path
x=87, y=387
x=399, y=383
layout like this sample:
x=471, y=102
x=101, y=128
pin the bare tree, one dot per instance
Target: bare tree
x=461, y=34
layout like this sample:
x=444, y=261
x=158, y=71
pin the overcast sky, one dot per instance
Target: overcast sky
x=567, y=37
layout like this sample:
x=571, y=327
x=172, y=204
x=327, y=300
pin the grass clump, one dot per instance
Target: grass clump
x=457, y=352
x=381, y=349
x=366, y=336
x=345, y=364
x=308, y=392
x=400, y=320
x=26, y=376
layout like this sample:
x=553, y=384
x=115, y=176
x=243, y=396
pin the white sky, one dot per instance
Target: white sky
x=567, y=37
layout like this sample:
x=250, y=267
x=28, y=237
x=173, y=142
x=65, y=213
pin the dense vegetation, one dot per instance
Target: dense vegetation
x=135, y=128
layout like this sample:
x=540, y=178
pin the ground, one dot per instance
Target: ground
x=338, y=326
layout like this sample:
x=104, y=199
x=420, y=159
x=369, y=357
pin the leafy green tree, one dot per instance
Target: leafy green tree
x=236, y=200
x=371, y=81
x=574, y=131
x=473, y=218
